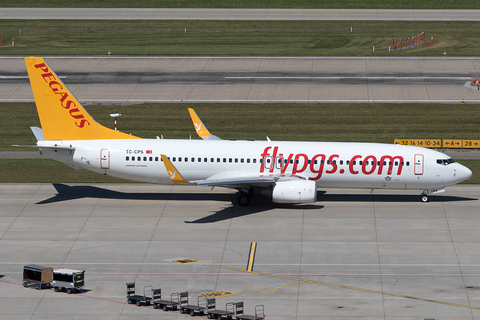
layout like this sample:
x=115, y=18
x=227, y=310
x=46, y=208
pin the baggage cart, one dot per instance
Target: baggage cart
x=186, y=307
x=259, y=312
x=138, y=299
x=38, y=277
x=69, y=280
x=159, y=303
x=214, y=313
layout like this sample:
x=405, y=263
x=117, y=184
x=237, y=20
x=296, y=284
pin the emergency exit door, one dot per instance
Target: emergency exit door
x=105, y=159
x=418, y=164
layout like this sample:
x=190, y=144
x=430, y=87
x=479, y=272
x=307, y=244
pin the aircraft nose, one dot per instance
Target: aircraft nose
x=463, y=173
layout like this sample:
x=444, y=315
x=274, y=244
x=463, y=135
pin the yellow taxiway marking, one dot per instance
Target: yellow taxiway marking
x=338, y=286
x=251, y=257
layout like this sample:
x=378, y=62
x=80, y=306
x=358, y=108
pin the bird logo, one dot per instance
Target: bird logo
x=198, y=126
x=172, y=174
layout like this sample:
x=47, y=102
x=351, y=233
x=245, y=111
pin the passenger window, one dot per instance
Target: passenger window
x=334, y=162
x=133, y=158
x=236, y=160
x=360, y=162
x=396, y=163
x=341, y=162
x=218, y=159
x=248, y=160
x=156, y=158
x=328, y=161
x=254, y=160
x=230, y=160
x=224, y=159
x=408, y=163
x=354, y=162
x=186, y=159
x=150, y=159
x=139, y=158
x=241, y=160
x=128, y=158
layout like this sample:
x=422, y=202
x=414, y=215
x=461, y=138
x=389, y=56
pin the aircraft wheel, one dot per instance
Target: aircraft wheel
x=245, y=197
x=424, y=198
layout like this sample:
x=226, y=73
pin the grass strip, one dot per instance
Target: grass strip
x=283, y=38
x=372, y=122
x=298, y=4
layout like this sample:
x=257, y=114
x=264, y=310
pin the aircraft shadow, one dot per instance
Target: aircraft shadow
x=66, y=193
x=233, y=210
x=325, y=197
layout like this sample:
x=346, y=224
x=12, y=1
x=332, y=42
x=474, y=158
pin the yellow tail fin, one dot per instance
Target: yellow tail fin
x=61, y=115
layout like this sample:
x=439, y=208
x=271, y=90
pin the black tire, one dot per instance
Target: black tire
x=129, y=301
x=25, y=284
x=192, y=313
x=155, y=306
x=56, y=289
x=139, y=303
x=69, y=290
x=210, y=316
x=424, y=198
x=244, y=199
x=165, y=307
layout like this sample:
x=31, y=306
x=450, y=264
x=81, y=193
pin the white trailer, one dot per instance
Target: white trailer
x=69, y=280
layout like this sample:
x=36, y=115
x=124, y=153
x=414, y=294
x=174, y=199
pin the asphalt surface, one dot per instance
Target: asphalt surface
x=238, y=14
x=352, y=254
x=130, y=80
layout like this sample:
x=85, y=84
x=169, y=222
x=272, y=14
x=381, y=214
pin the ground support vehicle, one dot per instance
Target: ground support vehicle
x=186, y=307
x=259, y=312
x=159, y=303
x=38, y=277
x=69, y=280
x=214, y=313
x=138, y=299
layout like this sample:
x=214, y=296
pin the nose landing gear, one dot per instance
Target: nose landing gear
x=424, y=197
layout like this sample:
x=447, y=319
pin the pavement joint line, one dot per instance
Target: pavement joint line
x=351, y=288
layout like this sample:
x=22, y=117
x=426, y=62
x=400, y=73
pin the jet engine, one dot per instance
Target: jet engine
x=294, y=191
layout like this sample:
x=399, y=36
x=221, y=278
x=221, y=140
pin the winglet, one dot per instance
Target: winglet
x=202, y=131
x=61, y=115
x=173, y=173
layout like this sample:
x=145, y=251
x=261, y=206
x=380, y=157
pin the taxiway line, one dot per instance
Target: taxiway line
x=347, y=287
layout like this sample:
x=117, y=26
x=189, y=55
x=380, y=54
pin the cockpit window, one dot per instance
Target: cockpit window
x=445, y=162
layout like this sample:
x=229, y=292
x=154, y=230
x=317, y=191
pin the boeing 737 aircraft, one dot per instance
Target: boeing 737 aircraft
x=288, y=171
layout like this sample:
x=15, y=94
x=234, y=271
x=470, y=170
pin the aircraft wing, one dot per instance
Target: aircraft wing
x=202, y=131
x=259, y=180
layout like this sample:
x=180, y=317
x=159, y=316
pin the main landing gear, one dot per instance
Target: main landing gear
x=244, y=197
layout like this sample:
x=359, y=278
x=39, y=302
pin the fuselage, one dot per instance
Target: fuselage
x=329, y=164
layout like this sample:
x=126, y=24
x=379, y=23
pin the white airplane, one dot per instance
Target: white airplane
x=288, y=171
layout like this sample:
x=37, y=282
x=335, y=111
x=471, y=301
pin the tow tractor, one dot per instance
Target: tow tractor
x=192, y=309
x=214, y=313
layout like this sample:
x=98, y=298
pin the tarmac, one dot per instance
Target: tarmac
x=352, y=254
x=238, y=14
x=131, y=80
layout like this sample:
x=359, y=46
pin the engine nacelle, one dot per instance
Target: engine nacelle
x=295, y=191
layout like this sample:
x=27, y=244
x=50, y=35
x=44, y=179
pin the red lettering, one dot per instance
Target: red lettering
x=374, y=166
x=64, y=96
x=290, y=156
x=319, y=172
x=390, y=165
x=42, y=66
x=80, y=116
x=69, y=104
x=350, y=166
x=334, y=165
x=48, y=76
x=263, y=155
x=82, y=123
x=295, y=164
x=52, y=83
x=275, y=150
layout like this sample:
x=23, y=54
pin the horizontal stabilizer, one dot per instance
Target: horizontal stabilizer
x=45, y=147
x=38, y=132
